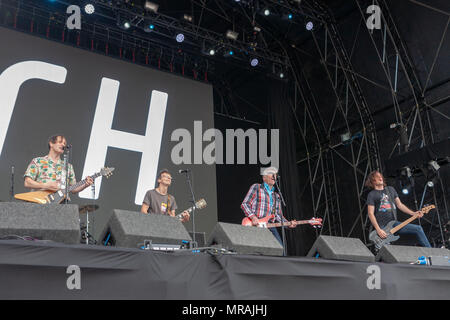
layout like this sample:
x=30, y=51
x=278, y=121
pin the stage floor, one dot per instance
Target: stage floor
x=48, y=270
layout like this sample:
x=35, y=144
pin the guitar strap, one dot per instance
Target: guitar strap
x=168, y=203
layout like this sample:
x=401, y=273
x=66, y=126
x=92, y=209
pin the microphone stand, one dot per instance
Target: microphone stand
x=188, y=178
x=282, y=217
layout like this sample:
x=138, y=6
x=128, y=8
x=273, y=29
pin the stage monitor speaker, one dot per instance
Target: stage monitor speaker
x=55, y=222
x=129, y=229
x=339, y=248
x=245, y=240
x=407, y=254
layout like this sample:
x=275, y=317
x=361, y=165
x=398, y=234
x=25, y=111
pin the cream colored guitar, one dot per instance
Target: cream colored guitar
x=47, y=196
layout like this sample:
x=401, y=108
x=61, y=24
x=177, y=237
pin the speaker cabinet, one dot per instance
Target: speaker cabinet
x=339, y=248
x=129, y=229
x=246, y=240
x=407, y=254
x=55, y=222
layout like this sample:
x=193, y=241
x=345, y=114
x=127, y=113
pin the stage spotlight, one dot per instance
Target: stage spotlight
x=151, y=6
x=254, y=62
x=346, y=137
x=309, y=26
x=180, y=37
x=123, y=23
x=434, y=165
x=290, y=16
x=188, y=18
x=406, y=171
x=281, y=75
x=405, y=191
x=150, y=28
x=89, y=8
x=232, y=35
x=266, y=12
x=228, y=53
x=212, y=52
x=430, y=184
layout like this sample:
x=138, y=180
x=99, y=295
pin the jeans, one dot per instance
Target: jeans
x=416, y=230
x=276, y=235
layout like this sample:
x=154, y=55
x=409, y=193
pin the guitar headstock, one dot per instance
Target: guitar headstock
x=106, y=172
x=427, y=208
x=200, y=204
x=315, y=222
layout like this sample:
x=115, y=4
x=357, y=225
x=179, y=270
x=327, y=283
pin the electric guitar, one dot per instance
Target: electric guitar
x=48, y=196
x=391, y=237
x=200, y=204
x=264, y=222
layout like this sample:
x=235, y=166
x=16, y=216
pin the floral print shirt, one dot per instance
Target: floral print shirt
x=44, y=169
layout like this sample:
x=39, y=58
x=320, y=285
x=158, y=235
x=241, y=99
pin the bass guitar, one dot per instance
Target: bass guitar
x=264, y=222
x=390, y=230
x=48, y=197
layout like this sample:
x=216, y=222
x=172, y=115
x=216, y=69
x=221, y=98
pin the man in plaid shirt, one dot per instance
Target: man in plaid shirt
x=262, y=200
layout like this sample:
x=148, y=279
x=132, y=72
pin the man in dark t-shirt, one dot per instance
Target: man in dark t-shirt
x=382, y=203
x=384, y=206
x=159, y=200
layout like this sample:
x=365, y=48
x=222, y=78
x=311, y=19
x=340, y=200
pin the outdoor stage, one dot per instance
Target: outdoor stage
x=46, y=270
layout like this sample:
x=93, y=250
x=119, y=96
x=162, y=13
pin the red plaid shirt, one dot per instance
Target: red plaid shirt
x=257, y=202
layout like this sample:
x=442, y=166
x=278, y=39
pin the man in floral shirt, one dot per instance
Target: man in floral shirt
x=47, y=173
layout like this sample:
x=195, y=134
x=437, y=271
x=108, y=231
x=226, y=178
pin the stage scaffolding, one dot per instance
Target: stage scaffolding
x=338, y=141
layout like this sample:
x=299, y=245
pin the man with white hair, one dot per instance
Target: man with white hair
x=262, y=200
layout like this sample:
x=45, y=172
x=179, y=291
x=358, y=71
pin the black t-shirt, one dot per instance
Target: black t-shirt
x=383, y=208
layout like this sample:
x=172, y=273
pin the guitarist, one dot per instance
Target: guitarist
x=158, y=200
x=381, y=205
x=262, y=200
x=47, y=173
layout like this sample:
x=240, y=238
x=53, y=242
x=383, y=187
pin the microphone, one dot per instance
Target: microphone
x=183, y=170
x=69, y=146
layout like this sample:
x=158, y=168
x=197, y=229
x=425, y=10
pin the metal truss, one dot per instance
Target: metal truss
x=358, y=152
x=103, y=38
x=195, y=35
x=413, y=112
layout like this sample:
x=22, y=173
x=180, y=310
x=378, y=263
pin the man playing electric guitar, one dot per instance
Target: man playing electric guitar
x=47, y=173
x=159, y=200
x=262, y=200
x=381, y=204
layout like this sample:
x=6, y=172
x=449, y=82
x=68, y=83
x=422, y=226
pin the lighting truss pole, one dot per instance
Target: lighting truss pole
x=360, y=154
x=416, y=116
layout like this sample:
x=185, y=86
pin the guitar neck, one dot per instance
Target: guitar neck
x=82, y=182
x=188, y=210
x=404, y=223
x=279, y=224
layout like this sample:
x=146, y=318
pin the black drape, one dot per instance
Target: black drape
x=280, y=101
